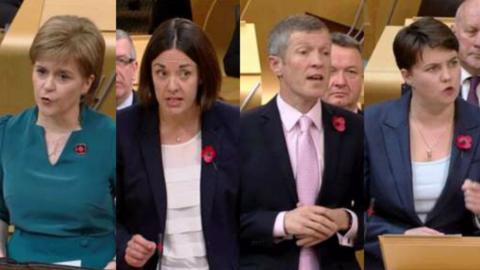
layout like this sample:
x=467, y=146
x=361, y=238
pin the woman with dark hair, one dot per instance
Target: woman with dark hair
x=57, y=168
x=422, y=150
x=177, y=159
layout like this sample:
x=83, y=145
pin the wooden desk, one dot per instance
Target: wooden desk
x=16, y=90
x=250, y=71
x=447, y=252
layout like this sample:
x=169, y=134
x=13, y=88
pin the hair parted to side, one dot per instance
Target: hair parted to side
x=74, y=38
x=345, y=41
x=280, y=34
x=185, y=36
x=426, y=32
x=121, y=34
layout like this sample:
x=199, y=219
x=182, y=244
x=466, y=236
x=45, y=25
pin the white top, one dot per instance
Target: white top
x=429, y=179
x=184, y=244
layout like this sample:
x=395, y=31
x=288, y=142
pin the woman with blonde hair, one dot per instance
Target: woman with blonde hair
x=57, y=168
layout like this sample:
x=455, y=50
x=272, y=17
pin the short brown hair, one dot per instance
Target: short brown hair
x=411, y=40
x=72, y=37
x=184, y=35
x=345, y=41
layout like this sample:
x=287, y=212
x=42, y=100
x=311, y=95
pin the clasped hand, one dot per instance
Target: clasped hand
x=314, y=224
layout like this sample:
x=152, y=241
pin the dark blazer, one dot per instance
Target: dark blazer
x=141, y=191
x=388, y=175
x=135, y=97
x=268, y=187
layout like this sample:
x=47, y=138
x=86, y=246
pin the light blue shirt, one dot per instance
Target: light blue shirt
x=429, y=179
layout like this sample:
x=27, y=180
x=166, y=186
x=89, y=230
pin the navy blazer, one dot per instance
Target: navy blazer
x=388, y=175
x=268, y=187
x=141, y=191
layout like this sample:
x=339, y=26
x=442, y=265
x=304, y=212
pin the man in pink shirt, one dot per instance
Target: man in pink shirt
x=301, y=162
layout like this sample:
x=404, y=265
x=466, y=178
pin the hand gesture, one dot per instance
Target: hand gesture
x=139, y=251
x=471, y=192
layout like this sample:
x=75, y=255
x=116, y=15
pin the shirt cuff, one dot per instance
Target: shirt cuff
x=278, y=227
x=477, y=221
x=348, y=238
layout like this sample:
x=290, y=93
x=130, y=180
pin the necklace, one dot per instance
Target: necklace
x=55, y=145
x=429, y=147
x=175, y=136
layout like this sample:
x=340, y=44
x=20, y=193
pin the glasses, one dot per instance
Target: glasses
x=123, y=61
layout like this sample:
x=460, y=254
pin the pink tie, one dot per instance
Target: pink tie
x=307, y=183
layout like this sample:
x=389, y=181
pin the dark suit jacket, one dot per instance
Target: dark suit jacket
x=388, y=175
x=135, y=97
x=268, y=187
x=141, y=191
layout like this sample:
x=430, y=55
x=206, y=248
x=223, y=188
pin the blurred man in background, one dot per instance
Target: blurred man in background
x=126, y=67
x=346, y=77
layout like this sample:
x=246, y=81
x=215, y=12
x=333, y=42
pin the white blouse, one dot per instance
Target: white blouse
x=184, y=244
x=429, y=179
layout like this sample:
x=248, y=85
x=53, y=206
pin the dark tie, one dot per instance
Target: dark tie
x=472, y=92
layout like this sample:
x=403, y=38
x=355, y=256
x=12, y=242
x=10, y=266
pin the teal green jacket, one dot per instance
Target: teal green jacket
x=65, y=211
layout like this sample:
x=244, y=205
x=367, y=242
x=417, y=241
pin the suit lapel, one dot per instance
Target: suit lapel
x=460, y=160
x=275, y=140
x=396, y=136
x=211, y=136
x=332, y=150
x=150, y=145
x=135, y=97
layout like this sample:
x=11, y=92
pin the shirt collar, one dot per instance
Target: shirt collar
x=290, y=116
x=127, y=102
x=464, y=75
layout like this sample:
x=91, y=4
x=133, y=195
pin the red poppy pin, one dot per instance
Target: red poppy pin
x=208, y=154
x=81, y=149
x=339, y=123
x=464, y=142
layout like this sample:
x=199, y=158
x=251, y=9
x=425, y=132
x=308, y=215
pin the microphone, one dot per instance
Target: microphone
x=160, y=250
x=371, y=208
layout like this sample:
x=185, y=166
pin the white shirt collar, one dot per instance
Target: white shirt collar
x=464, y=74
x=127, y=102
x=290, y=116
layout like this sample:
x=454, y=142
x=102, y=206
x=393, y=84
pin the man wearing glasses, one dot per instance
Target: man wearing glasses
x=126, y=67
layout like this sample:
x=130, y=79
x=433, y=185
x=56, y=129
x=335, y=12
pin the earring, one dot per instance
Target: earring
x=405, y=88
